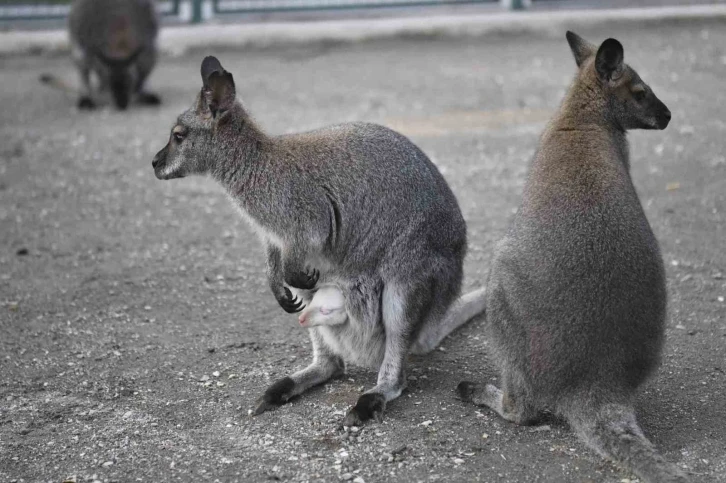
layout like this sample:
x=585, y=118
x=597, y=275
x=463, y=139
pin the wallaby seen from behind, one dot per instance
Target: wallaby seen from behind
x=355, y=206
x=576, y=296
x=115, y=40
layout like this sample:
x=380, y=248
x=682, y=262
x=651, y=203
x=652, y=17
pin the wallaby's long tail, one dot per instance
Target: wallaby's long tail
x=57, y=83
x=461, y=311
x=613, y=432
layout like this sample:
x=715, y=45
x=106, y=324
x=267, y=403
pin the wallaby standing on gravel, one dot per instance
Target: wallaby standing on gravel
x=576, y=297
x=357, y=205
x=116, y=39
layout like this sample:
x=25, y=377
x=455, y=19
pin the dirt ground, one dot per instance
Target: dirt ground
x=137, y=330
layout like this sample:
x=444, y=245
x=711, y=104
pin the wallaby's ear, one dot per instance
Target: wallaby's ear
x=609, y=60
x=581, y=48
x=218, y=91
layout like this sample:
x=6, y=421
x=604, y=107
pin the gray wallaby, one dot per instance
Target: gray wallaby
x=576, y=296
x=115, y=39
x=355, y=205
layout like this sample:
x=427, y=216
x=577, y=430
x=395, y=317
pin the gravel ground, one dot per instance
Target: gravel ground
x=136, y=328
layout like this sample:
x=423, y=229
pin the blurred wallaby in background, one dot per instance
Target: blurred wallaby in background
x=356, y=205
x=116, y=40
x=576, y=297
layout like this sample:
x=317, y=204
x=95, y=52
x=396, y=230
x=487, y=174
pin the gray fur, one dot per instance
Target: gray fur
x=576, y=298
x=116, y=40
x=354, y=205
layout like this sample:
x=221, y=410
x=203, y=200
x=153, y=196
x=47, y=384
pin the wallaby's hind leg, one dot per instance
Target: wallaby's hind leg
x=401, y=306
x=511, y=403
x=436, y=329
x=325, y=366
x=85, y=101
x=145, y=63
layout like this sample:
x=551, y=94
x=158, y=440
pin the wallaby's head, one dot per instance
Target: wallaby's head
x=206, y=131
x=628, y=101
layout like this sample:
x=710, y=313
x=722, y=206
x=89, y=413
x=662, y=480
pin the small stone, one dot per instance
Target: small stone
x=107, y=464
x=204, y=378
x=686, y=278
x=128, y=414
x=485, y=436
x=215, y=373
x=544, y=427
x=720, y=298
x=427, y=423
x=673, y=186
x=358, y=479
x=459, y=461
x=346, y=476
x=717, y=276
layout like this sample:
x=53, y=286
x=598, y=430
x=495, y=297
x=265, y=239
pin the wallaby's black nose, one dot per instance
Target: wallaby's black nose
x=664, y=118
x=155, y=162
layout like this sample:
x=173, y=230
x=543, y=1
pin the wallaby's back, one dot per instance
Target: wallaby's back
x=114, y=28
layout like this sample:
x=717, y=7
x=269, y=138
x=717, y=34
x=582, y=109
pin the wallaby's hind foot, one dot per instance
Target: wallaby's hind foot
x=280, y=392
x=149, y=98
x=324, y=367
x=369, y=406
x=86, y=103
x=511, y=408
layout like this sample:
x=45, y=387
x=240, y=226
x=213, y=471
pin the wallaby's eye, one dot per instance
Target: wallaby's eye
x=179, y=133
x=639, y=95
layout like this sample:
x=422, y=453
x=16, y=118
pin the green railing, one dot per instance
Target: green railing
x=195, y=11
x=58, y=9
x=262, y=6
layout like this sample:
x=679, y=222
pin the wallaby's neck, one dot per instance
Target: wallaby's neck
x=239, y=154
x=246, y=167
x=584, y=116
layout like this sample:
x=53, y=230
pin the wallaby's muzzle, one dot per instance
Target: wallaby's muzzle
x=159, y=163
x=664, y=117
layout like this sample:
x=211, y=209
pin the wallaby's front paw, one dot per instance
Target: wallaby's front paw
x=86, y=102
x=276, y=395
x=149, y=99
x=304, y=280
x=369, y=406
x=289, y=303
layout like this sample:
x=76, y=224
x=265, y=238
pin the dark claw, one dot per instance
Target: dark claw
x=86, y=102
x=289, y=303
x=369, y=406
x=276, y=395
x=305, y=280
